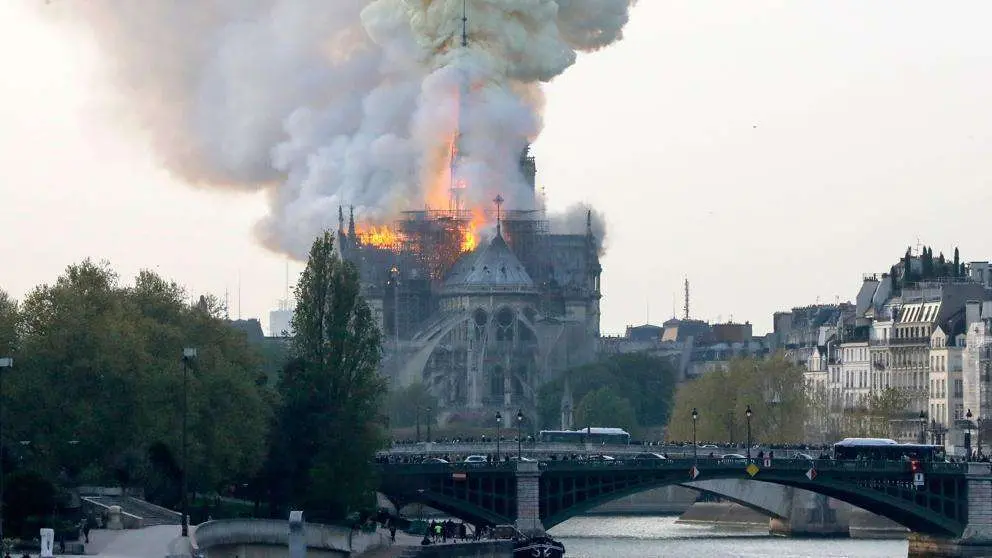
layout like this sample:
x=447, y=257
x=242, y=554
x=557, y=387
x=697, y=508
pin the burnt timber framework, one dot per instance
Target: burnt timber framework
x=489, y=493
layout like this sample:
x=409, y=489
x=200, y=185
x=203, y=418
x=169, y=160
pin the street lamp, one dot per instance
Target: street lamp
x=967, y=436
x=418, y=424
x=747, y=413
x=979, y=452
x=499, y=419
x=695, y=415
x=520, y=423
x=189, y=354
x=923, y=427
x=429, y=425
x=5, y=362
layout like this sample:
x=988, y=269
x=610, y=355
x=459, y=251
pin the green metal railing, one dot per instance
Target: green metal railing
x=703, y=464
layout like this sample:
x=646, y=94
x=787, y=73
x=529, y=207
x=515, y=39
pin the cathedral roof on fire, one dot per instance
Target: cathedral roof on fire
x=492, y=268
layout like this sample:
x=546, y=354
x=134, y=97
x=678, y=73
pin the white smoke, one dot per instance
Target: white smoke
x=341, y=102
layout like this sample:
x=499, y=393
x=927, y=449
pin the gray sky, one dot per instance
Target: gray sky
x=771, y=151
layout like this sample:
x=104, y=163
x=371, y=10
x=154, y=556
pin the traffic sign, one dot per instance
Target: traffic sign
x=811, y=474
x=752, y=469
x=694, y=472
x=459, y=476
x=918, y=480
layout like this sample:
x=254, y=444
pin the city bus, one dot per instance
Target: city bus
x=591, y=435
x=884, y=449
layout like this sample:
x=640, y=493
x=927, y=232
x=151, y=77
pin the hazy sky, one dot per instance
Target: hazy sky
x=770, y=151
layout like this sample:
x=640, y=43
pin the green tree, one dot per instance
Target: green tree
x=9, y=320
x=647, y=382
x=772, y=387
x=405, y=405
x=957, y=262
x=604, y=407
x=874, y=413
x=98, y=381
x=330, y=423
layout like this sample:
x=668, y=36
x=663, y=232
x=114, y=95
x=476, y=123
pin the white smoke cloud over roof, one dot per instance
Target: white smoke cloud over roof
x=340, y=102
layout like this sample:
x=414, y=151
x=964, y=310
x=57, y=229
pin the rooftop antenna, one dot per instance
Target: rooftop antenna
x=647, y=311
x=464, y=23
x=239, y=294
x=686, y=307
x=227, y=303
x=499, y=203
x=675, y=312
x=286, y=300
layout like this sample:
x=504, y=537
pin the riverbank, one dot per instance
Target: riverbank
x=723, y=514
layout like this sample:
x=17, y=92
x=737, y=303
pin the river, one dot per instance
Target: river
x=657, y=537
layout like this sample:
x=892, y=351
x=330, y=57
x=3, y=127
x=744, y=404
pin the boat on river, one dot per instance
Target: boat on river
x=538, y=547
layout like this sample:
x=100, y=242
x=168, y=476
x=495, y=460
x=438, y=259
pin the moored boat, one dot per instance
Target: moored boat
x=538, y=547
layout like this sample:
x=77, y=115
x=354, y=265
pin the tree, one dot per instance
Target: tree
x=647, y=382
x=405, y=405
x=329, y=423
x=604, y=407
x=9, y=319
x=957, y=263
x=773, y=387
x=874, y=414
x=98, y=382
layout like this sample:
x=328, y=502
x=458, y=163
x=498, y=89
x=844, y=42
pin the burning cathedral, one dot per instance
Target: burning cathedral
x=482, y=320
x=418, y=114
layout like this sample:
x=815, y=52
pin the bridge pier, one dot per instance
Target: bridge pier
x=811, y=515
x=976, y=539
x=528, y=476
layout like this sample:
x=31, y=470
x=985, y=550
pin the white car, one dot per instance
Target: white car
x=476, y=459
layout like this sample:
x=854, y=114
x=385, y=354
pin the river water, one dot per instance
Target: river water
x=657, y=537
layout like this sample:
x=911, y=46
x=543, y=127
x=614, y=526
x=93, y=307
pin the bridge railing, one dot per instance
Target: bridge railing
x=684, y=463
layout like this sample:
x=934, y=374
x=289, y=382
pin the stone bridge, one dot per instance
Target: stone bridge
x=951, y=506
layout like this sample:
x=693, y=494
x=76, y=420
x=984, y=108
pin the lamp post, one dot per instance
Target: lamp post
x=5, y=363
x=923, y=427
x=429, y=425
x=695, y=455
x=499, y=419
x=747, y=413
x=978, y=453
x=520, y=423
x=189, y=354
x=967, y=436
x=418, y=424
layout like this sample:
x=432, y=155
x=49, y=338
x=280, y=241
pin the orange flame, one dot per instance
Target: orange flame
x=470, y=239
x=380, y=237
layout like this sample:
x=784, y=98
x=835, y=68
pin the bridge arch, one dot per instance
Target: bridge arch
x=895, y=501
x=567, y=489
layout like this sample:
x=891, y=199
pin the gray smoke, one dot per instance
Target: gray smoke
x=340, y=102
x=576, y=220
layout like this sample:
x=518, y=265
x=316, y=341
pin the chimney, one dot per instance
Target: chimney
x=972, y=312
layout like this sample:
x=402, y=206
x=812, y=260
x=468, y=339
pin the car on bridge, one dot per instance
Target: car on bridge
x=436, y=460
x=476, y=459
x=733, y=456
x=650, y=455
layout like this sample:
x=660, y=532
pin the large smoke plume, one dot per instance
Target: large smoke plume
x=341, y=102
